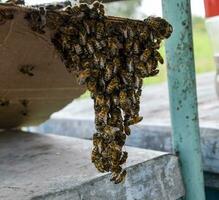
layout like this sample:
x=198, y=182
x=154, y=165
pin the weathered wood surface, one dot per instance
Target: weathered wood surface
x=52, y=167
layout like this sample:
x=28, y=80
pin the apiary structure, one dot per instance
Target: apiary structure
x=181, y=81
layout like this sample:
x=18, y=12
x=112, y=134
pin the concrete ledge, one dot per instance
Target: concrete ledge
x=156, y=137
x=52, y=167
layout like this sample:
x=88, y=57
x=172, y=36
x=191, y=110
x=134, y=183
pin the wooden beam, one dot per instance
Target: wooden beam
x=104, y=1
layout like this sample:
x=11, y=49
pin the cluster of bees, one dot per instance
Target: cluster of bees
x=6, y=15
x=24, y=104
x=4, y=102
x=27, y=70
x=111, y=56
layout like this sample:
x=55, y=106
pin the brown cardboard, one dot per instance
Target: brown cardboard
x=51, y=87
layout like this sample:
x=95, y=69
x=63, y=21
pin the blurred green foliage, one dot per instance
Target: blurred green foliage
x=123, y=8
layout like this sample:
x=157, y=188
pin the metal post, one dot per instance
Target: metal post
x=183, y=97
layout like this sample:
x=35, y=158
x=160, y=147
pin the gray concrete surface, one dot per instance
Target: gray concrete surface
x=156, y=137
x=44, y=167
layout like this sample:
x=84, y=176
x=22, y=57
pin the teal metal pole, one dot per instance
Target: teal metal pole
x=183, y=97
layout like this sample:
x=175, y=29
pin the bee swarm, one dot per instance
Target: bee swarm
x=111, y=56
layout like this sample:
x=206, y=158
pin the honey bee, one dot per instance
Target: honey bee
x=82, y=37
x=138, y=82
x=124, y=31
x=85, y=64
x=7, y=14
x=97, y=11
x=114, y=46
x=115, y=99
x=37, y=19
x=128, y=46
x=97, y=160
x=123, y=157
x=99, y=166
x=100, y=100
x=83, y=75
x=92, y=85
x=123, y=98
x=127, y=130
x=86, y=26
x=120, y=137
x=103, y=43
x=115, y=156
x=2, y=19
x=127, y=78
x=99, y=7
x=93, y=14
x=114, y=146
x=158, y=57
x=121, y=177
x=76, y=11
x=142, y=69
x=97, y=45
x=96, y=4
x=84, y=8
x=136, y=47
x=101, y=11
x=143, y=32
x=76, y=62
x=95, y=73
x=102, y=61
x=16, y=2
x=134, y=120
x=116, y=64
x=116, y=121
x=68, y=65
x=34, y=18
x=96, y=57
x=131, y=33
x=108, y=72
x=69, y=30
x=24, y=104
x=130, y=64
x=106, y=164
x=98, y=142
x=151, y=66
x=54, y=21
x=51, y=7
x=113, y=85
x=90, y=47
x=103, y=114
x=101, y=84
x=65, y=42
x=166, y=30
x=115, y=172
x=78, y=49
x=156, y=44
x=100, y=30
x=4, y=102
x=42, y=12
x=27, y=69
x=154, y=72
x=69, y=9
x=110, y=130
x=145, y=55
